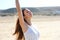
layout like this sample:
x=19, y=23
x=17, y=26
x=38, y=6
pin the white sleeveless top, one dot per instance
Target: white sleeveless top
x=31, y=34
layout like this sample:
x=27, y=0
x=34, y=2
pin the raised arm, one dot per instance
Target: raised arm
x=20, y=15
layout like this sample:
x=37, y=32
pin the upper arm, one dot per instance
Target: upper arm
x=20, y=15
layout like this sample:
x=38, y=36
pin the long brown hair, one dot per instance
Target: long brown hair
x=18, y=29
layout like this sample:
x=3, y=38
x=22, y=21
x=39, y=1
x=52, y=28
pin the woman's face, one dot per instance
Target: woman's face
x=27, y=13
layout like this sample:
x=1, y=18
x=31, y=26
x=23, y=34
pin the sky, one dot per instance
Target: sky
x=5, y=4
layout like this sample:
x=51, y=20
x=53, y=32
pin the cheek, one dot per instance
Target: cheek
x=28, y=14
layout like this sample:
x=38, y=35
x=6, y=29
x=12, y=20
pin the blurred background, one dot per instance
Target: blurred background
x=46, y=18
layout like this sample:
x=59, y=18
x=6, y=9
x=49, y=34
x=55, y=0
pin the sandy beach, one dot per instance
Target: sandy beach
x=48, y=27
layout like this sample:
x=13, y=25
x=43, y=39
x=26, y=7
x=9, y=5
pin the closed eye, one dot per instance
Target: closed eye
x=27, y=11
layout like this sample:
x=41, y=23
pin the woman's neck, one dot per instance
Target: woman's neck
x=28, y=21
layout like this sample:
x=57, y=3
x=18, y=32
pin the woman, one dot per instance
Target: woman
x=24, y=29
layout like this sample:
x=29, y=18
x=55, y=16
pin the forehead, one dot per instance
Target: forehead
x=27, y=10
